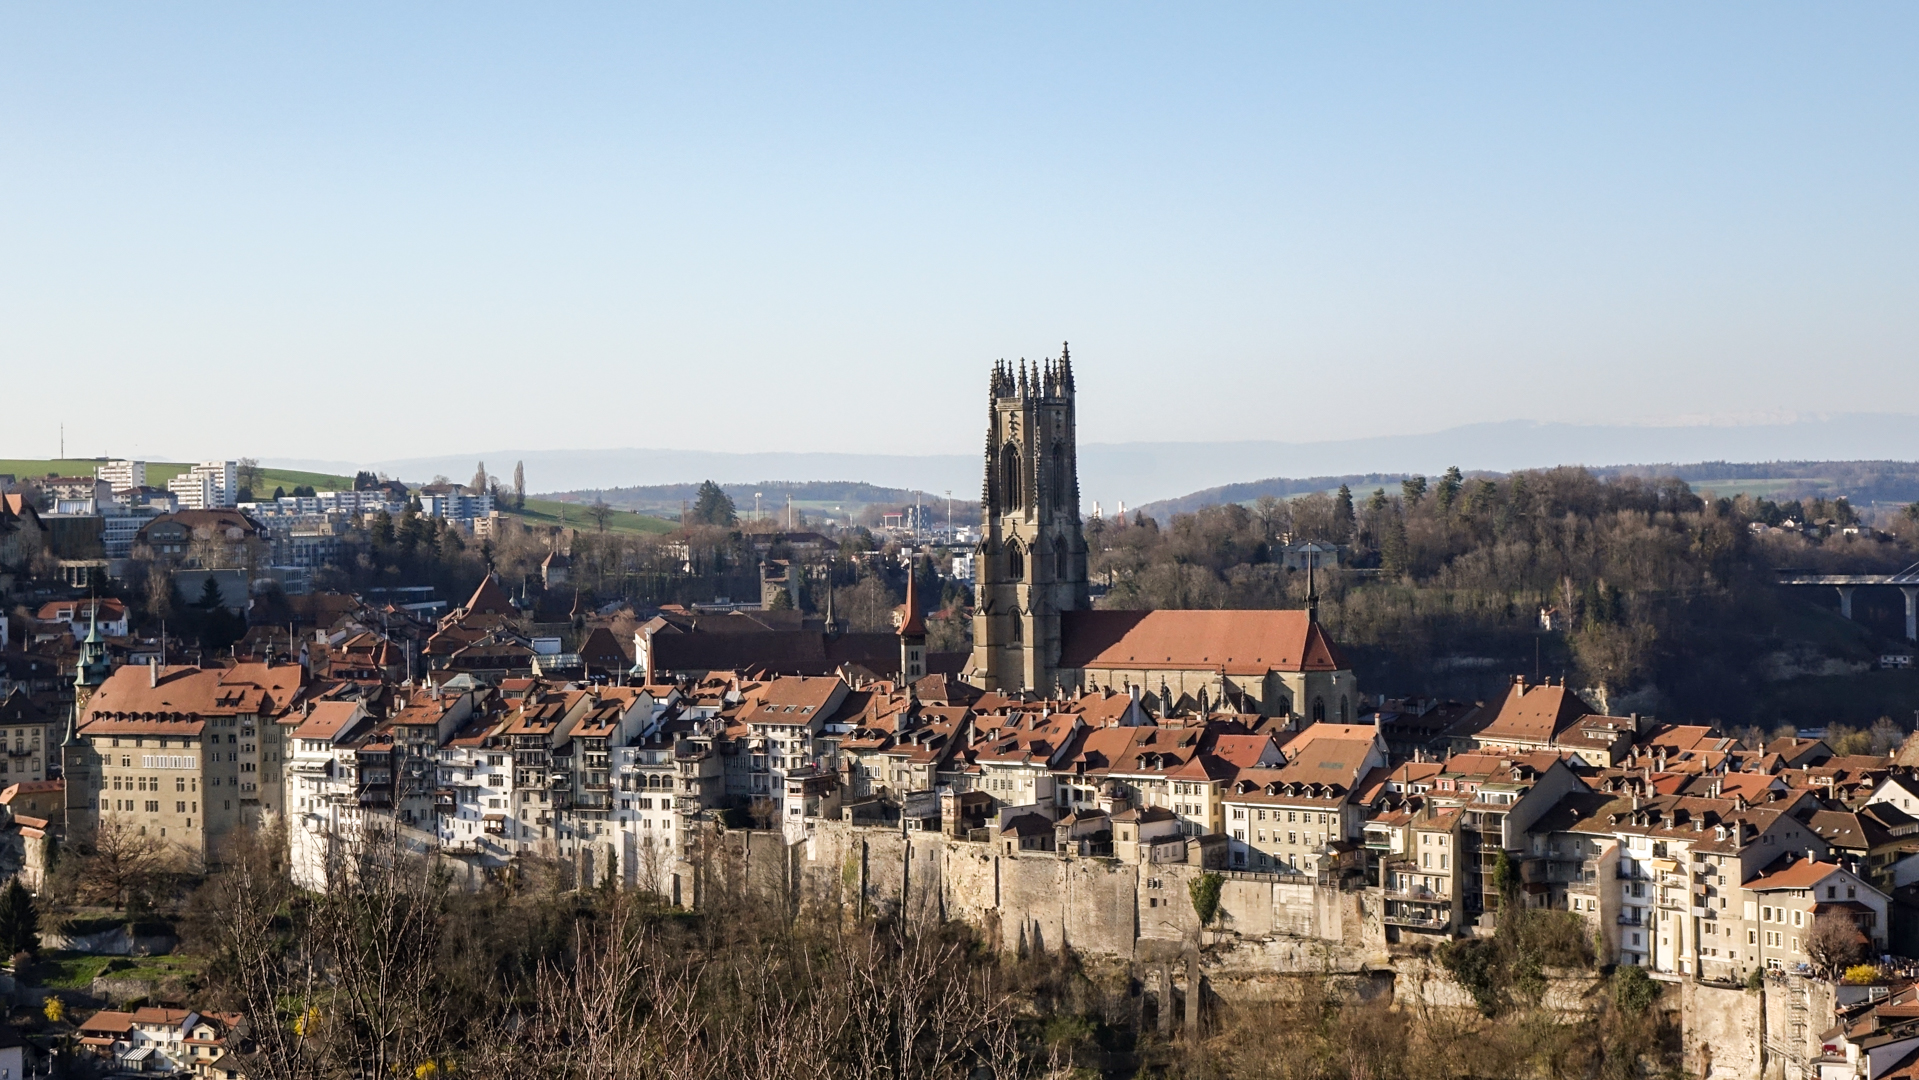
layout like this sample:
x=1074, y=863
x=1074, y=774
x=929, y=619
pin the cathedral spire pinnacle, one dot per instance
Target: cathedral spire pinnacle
x=1312, y=587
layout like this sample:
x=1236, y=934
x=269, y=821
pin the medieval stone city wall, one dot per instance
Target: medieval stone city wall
x=1274, y=940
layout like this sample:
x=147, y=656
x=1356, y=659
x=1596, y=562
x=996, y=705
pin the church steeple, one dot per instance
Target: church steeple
x=1031, y=561
x=93, y=666
x=912, y=629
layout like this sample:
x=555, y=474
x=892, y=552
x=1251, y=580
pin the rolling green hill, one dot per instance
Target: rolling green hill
x=574, y=515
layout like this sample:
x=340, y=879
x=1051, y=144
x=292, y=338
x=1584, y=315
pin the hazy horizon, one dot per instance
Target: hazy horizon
x=1140, y=471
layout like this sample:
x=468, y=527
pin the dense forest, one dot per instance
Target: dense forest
x=1659, y=599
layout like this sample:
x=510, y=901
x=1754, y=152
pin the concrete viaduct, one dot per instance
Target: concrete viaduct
x=1906, y=581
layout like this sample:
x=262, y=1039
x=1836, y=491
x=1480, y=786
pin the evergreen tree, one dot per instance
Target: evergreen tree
x=1343, y=513
x=1393, y=551
x=218, y=627
x=713, y=506
x=19, y=920
x=1449, y=486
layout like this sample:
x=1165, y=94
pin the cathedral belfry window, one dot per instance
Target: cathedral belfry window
x=1015, y=562
x=1319, y=709
x=1056, y=471
x=1009, y=483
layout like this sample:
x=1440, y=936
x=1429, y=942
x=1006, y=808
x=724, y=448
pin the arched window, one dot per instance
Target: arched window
x=1015, y=562
x=1056, y=474
x=1319, y=709
x=1345, y=709
x=1009, y=478
x=1062, y=560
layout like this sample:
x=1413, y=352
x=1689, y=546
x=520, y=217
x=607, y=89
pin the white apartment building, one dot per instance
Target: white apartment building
x=321, y=787
x=458, y=505
x=646, y=813
x=473, y=801
x=210, y=485
x=121, y=475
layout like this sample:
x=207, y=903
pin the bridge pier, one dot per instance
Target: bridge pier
x=1912, y=611
x=1845, y=600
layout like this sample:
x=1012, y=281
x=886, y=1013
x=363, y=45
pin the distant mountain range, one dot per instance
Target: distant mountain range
x=1150, y=472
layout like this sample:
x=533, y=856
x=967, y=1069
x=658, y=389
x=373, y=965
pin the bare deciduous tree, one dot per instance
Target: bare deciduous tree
x=116, y=863
x=1834, y=944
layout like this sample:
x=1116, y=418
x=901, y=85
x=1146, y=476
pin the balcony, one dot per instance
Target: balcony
x=446, y=800
x=1416, y=916
x=1417, y=892
x=376, y=796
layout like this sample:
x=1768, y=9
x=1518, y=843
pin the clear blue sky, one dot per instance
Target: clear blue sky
x=368, y=231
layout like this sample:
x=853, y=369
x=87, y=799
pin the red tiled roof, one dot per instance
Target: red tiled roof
x=1802, y=874
x=327, y=720
x=1534, y=713
x=1236, y=642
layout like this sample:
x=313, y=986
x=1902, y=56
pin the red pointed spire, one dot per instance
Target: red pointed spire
x=913, y=624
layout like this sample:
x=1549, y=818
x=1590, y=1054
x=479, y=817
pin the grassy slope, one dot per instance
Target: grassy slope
x=63, y=970
x=547, y=512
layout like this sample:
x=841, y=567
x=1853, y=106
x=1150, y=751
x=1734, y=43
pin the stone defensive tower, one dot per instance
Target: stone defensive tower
x=1031, y=561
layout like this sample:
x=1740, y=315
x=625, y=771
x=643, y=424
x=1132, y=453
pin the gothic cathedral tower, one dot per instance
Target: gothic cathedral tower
x=1031, y=561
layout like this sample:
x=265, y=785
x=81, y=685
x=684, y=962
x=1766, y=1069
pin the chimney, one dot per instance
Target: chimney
x=153, y=672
